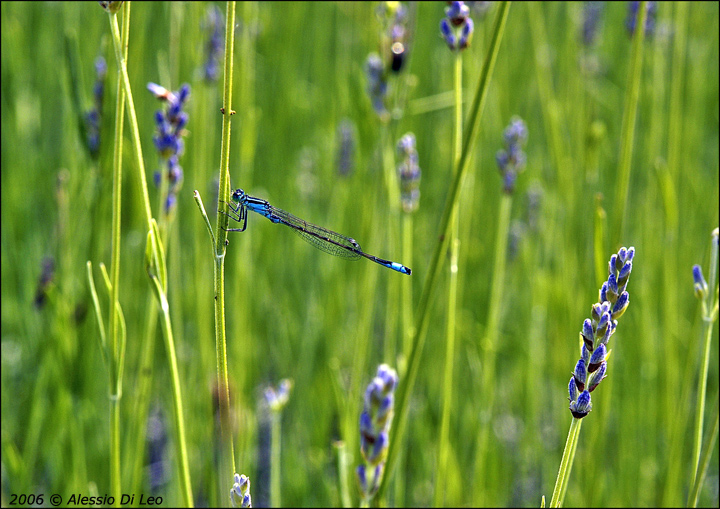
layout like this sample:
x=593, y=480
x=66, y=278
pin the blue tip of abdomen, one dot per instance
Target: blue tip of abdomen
x=400, y=268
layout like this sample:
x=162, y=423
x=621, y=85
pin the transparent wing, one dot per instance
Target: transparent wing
x=326, y=240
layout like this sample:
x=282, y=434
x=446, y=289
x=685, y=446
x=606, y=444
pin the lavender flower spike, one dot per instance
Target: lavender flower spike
x=409, y=171
x=169, y=132
x=375, y=422
x=240, y=492
x=591, y=369
x=511, y=160
x=457, y=26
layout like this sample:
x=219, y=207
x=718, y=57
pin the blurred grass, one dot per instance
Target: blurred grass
x=295, y=312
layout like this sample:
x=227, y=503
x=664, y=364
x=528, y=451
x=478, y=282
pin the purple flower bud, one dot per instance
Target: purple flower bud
x=621, y=305
x=181, y=121
x=572, y=389
x=582, y=406
x=597, y=377
x=466, y=33
x=385, y=410
x=388, y=376
x=610, y=331
x=602, y=325
x=612, y=289
x=591, y=19
x=612, y=264
x=509, y=178
x=406, y=145
x=580, y=374
x=629, y=255
x=585, y=354
x=160, y=120
x=447, y=33
x=362, y=478
x=365, y=423
x=100, y=68
x=701, y=286
x=588, y=335
x=605, y=307
x=624, y=274
x=502, y=159
x=378, y=451
x=457, y=13
x=597, y=358
x=184, y=93
x=170, y=203
x=621, y=254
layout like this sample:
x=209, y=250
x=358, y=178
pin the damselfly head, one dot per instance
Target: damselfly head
x=238, y=195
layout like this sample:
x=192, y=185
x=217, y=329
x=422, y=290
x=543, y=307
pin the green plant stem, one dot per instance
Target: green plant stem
x=227, y=452
x=423, y=316
x=177, y=396
x=701, y=395
x=627, y=132
x=392, y=217
x=132, y=119
x=704, y=460
x=113, y=346
x=144, y=389
x=708, y=320
x=342, y=469
x=407, y=289
x=566, y=463
x=443, y=443
x=155, y=250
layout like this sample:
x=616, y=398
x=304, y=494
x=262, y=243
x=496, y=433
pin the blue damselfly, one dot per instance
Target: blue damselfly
x=322, y=238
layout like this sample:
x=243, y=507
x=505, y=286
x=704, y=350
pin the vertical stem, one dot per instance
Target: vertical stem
x=407, y=250
x=708, y=320
x=113, y=341
x=342, y=469
x=443, y=446
x=704, y=461
x=566, y=463
x=227, y=453
x=178, y=412
x=429, y=289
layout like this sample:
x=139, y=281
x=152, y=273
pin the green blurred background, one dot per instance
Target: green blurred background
x=295, y=312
